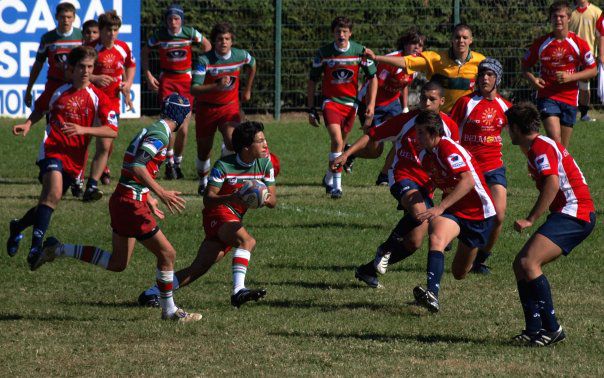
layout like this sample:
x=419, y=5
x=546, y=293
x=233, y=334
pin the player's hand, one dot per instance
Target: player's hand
x=173, y=201
x=27, y=99
x=338, y=162
x=246, y=96
x=521, y=224
x=369, y=113
x=223, y=82
x=538, y=83
x=370, y=54
x=21, y=129
x=153, y=205
x=127, y=99
x=563, y=77
x=313, y=117
x=102, y=80
x=430, y=214
x=152, y=82
x=72, y=129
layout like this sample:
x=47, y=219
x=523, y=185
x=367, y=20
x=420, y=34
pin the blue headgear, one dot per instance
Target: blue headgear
x=176, y=108
x=176, y=10
x=492, y=64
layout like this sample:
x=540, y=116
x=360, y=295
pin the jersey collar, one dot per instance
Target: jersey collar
x=335, y=46
x=68, y=34
x=168, y=131
x=243, y=163
x=225, y=56
x=177, y=33
x=452, y=56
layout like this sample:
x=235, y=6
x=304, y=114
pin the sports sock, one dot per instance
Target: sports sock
x=394, y=243
x=177, y=159
x=203, y=168
x=241, y=259
x=85, y=253
x=435, y=269
x=542, y=295
x=368, y=269
x=583, y=109
x=170, y=156
x=92, y=183
x=154, y=290
x=481, y=257
x=224, y=151
x=164, y=283
x=337, y=175
x=532, y=319
x=41, y=222
x=328, y=178
x=27, y=220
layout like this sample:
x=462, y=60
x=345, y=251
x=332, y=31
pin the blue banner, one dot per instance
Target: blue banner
x=22, y=24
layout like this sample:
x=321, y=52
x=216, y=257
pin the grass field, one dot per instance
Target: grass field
x=69, y=318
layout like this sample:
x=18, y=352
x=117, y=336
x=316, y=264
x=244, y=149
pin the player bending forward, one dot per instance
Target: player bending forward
x=132, y=207
x=223, y=214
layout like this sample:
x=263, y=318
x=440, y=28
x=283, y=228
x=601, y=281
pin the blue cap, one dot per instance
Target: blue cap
x=176, y=108
x=175, y=9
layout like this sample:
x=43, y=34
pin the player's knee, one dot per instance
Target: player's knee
x=499, y=218
x=459, y=273
x=413, y=244
x=248, y=243
x=437, y=242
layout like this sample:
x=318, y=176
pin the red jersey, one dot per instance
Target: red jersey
x=87, y=107
x=401, y=130
x=113, y=62
x=444, y=164
x=570, y=55
x=391, y=81
x=600, y=26
x=480, y=123
x=546, y=157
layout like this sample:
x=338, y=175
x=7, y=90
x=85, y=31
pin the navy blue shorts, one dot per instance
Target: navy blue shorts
x=399, y=189
x=496, y=176
x=565, y=231
x=52, y=164
x=381, y=113
x=566, y=113
x=474, y=234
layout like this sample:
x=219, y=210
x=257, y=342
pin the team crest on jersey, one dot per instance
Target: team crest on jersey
x=558, y=54
x=542, y=163
x=176, y=55
x=342, y=75
x=232, y=180
x=589, y=58
x=488, y=116
x=112, y=118
x=456, y=161
x=61, y=58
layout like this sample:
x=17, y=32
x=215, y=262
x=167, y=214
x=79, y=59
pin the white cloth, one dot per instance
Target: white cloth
x=601, y=82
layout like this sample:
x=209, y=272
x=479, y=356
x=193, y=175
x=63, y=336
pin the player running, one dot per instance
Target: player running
x=561, y=54
x=174, y=41
x=339, y=63
x=73, y=110
x=216, y=80
x=466, y=210
x=562, y=189
x=132, y=208
x=454, y=68
x=481, y=118
x=410, y=185
x=114, y=60
x=223, y=215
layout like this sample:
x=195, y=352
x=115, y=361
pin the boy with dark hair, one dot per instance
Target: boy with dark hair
x=339, y=62
x=216, y=81
x=90, y=31
x=562, y=189
x=115, y=61
x=74, y=111
x=223, y=215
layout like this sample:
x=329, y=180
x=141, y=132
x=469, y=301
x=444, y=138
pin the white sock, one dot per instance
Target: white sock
x=337, y=176
x=85, y=253
x=165, y=279
x=241, y=259
x=170, y=156
x=225, y=151
x=177, y=159
x=203, y=168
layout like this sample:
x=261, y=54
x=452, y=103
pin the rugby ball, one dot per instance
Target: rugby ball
x=253, y=193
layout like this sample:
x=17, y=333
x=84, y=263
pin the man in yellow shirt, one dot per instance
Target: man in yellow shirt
x=454, y=68
x=583, y=23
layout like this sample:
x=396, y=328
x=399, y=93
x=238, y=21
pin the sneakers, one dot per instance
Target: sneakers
x=426, y=298
x=524, y=338
x=246, y=295
x=201, y=189
x=178, y=172
x=349, y=162
x=92, y=194
x=77, y=189
x=382, y=179
x=145, y=300
x=370, y=280
x=328, y=188
x=37, y=257
x=14, y=237
x=545, y=338
x=587, y=118
x=106, y=177
x=170, y=172
x=380, y=263
x=181, y=316
x=335, y=194
x=481, y=269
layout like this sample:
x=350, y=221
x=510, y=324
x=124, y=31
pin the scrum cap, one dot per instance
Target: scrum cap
x=176, y=108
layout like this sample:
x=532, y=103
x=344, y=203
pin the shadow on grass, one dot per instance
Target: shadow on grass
x=123, y=304
x=60, y=318
x=327, y=307
x=312, y=285
x=426, y=339
x=344, y=268
x=18, y=181
x=319, y=225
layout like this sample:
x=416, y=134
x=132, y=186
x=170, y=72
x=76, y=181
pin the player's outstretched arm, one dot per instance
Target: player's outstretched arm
x=359, y=145
x=271, y=201
x=152, y=81
x=536, y=82
x=23, y=128
x=72, y=129
x=170, y=198
x=247, y=92
x=546, y=197
x=397, y=61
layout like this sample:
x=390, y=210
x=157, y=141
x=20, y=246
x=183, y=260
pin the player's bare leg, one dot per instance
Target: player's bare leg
x=210, y=252
x=204, y=149
x=382, y=178
x=180, y=141
x=463, y=260
x=552, y=128
x=499, y=195
x=565, y=134
x=99, y=162
x=334, y=178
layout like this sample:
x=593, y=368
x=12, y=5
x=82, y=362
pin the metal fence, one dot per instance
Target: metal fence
x=283, y=35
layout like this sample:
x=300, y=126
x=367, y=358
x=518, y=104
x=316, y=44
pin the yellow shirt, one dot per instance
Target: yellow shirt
x=583, y=24
x=457, y=78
